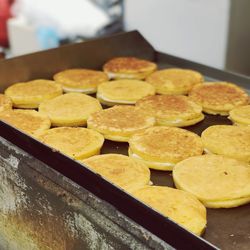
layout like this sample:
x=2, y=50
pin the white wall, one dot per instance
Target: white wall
x=192, y=29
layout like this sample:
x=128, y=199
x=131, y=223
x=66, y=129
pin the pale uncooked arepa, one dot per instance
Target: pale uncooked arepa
x=217, y=181
x=174, y=81
x=71, y=109
x=180, y=206
x=78, y=143
x=80, y=80
x=31, y=94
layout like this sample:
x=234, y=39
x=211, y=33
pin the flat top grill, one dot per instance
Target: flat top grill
x=227, y=228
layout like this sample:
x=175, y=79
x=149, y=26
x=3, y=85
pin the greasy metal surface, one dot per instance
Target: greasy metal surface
x=48, y=211
x=92, y=55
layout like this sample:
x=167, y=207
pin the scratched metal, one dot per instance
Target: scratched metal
x=41, y=209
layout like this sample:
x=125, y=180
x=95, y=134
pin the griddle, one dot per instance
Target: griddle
x=227, y=228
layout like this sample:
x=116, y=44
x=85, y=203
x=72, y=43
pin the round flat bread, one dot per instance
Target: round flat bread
x=231, y=141
x=5, y=103
x=219, y=97
x=164, y=145
x=31, y=94
x=119, y=123
x=123, y=91
x=72, y=109
x=240, y=115
x=171, y=110
x=174, y=81
x=128, y=68
x=80, y=80
x=121, y=170
x=181, y=207
x=78, y=143
x=29, y=121
x=217, y=181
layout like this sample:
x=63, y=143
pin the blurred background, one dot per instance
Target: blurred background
x=215, y=33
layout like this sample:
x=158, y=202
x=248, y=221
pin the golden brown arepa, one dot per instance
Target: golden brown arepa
x=121, y=170
x=231, y=141
x=219, y=97
x=162, y=147
x=31, y=94
x=72, y=109
x=5, y=103
x=171, y=110
x=29, y=121
x=180, y=206
x=217, y=181
x=80, y=80
x=78, y=143
x=124, y=91
x=240, y=115
x=174, y=81
x=128, y=68
x=119, y=123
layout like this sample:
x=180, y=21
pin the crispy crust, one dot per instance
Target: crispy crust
x=29, y=121
x=171, y=110
x=219, y=97
x=121, y=121
x=131, y=66
x=166, y=144
x=5, y=103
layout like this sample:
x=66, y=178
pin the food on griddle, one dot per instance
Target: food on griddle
x=80, y=80
x=29, y=121
x=121, y=170
x=78, y=143
x=180, y=206
x=128, y=68
x=174, y=81
x=119, y=123
x=31, y=94
x=5, y=103
x=217, y=181
x=219, y=97
x=171, y=110
x=123, y=91
x=228, y=140
x=240, y=116
x=162, y=147
x=71, y=109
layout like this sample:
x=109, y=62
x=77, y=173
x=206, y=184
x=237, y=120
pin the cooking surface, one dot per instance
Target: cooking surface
x=226, y=228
